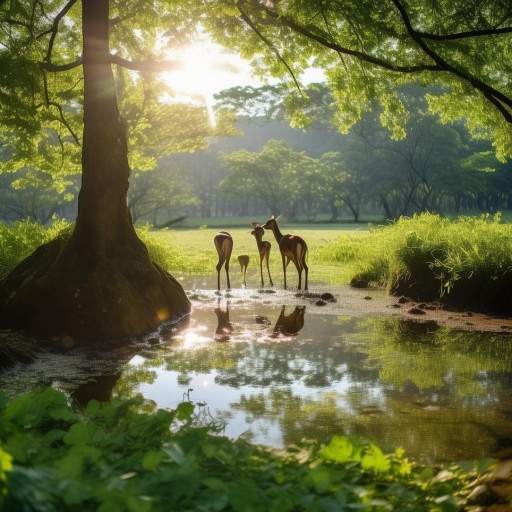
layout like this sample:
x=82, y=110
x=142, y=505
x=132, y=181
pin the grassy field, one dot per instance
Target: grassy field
x=201, y=257
x=465, y=261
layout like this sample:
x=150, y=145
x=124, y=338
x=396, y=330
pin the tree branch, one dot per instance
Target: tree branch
x=299, y=29
x=496, y=97
x=271, y=45
x=148, y=66
x=465, y=35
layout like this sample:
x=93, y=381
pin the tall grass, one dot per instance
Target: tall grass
x=21, y=238
x=467, y=261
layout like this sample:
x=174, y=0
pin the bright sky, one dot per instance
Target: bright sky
x=208, y=69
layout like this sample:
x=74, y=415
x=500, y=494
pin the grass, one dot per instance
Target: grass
x=201, y=257
x=466, y=261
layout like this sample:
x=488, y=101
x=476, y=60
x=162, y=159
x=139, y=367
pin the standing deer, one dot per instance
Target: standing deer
x=224, y=245
x=243, y=259
x=263, y=249
x=293, y=248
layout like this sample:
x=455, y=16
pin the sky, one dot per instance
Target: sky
x=208, y=69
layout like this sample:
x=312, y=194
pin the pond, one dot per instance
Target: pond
x=274, y=367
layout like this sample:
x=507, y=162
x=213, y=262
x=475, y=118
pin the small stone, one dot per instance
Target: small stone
x=368, y=298
x=416, y=311
x=328, y=297
x=320, y=302
x=403, y=300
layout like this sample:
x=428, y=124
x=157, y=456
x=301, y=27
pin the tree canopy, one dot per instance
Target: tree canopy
x=368, y=48
x=76, y=74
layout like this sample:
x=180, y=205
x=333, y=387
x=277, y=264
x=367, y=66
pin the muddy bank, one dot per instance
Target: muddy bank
x=349, y=301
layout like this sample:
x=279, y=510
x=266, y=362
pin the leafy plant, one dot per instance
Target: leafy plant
x=115, y=457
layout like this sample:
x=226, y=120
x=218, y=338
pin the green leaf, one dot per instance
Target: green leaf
x=152, y=459
x=184, y=410
x=339, y=449
x=175, y=453
x=373, y=458
x=71, y=466
x=244, y=496
x=5, y=464
x=484, y=465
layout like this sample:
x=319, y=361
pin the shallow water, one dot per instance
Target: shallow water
x=275, y=367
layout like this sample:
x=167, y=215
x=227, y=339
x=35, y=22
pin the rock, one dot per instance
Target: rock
x=329, y=297
x=321, y=302
x=416, y=311
x=358, y=283
x=403, y=300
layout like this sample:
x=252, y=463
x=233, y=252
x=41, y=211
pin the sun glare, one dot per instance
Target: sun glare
x=206, y=69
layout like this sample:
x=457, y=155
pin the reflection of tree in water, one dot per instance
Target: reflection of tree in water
x=272, y=361
x=429, y=435
x=426, y=358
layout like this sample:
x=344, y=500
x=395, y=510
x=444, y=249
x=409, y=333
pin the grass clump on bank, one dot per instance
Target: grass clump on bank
x=465, y=262
x=20, y=239
x=116, y=457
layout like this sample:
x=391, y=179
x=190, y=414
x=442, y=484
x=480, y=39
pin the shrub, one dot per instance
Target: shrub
x=114, y=457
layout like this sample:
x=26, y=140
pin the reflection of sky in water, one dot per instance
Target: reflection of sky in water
x=401, y=384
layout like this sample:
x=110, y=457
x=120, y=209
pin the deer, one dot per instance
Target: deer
x=224, y=245
x=293, y=248
x=243, y=259
x=263, y=249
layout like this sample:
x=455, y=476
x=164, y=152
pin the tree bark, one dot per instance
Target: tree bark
x=99, y=282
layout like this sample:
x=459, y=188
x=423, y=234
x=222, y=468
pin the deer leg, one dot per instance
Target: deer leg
x=261, y=272
x=285, y=264
x=305, y=274
x=227, y=274
x=268, y=270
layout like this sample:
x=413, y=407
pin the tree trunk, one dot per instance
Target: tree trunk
x=98, y=283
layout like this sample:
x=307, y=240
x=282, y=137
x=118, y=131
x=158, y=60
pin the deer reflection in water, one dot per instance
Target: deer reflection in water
x=290, y=324
x=224, y=326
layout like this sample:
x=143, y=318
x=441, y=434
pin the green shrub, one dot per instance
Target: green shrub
x=467, y=261
x=20, y=239
x=115, y=457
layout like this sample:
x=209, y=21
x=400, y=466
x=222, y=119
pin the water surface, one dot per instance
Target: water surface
x=274, y=368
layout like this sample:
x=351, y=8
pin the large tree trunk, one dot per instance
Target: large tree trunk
x=98, y=283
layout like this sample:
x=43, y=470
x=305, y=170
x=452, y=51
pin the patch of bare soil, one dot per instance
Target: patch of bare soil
x=349, y=301
x=356, y=301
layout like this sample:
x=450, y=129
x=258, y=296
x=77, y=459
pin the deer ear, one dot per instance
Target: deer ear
x=272, y=217
x=254, y=224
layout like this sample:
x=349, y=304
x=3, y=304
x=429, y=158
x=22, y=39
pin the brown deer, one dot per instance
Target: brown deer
x=243, y=259
x=290, y=324
x=263, y=249
x=224, y=245
x=293, y=248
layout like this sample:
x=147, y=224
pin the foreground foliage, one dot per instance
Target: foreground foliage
x=114, y=457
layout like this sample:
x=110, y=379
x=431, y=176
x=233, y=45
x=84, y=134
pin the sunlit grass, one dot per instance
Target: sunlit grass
x=428, y=256
x=192, y=251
